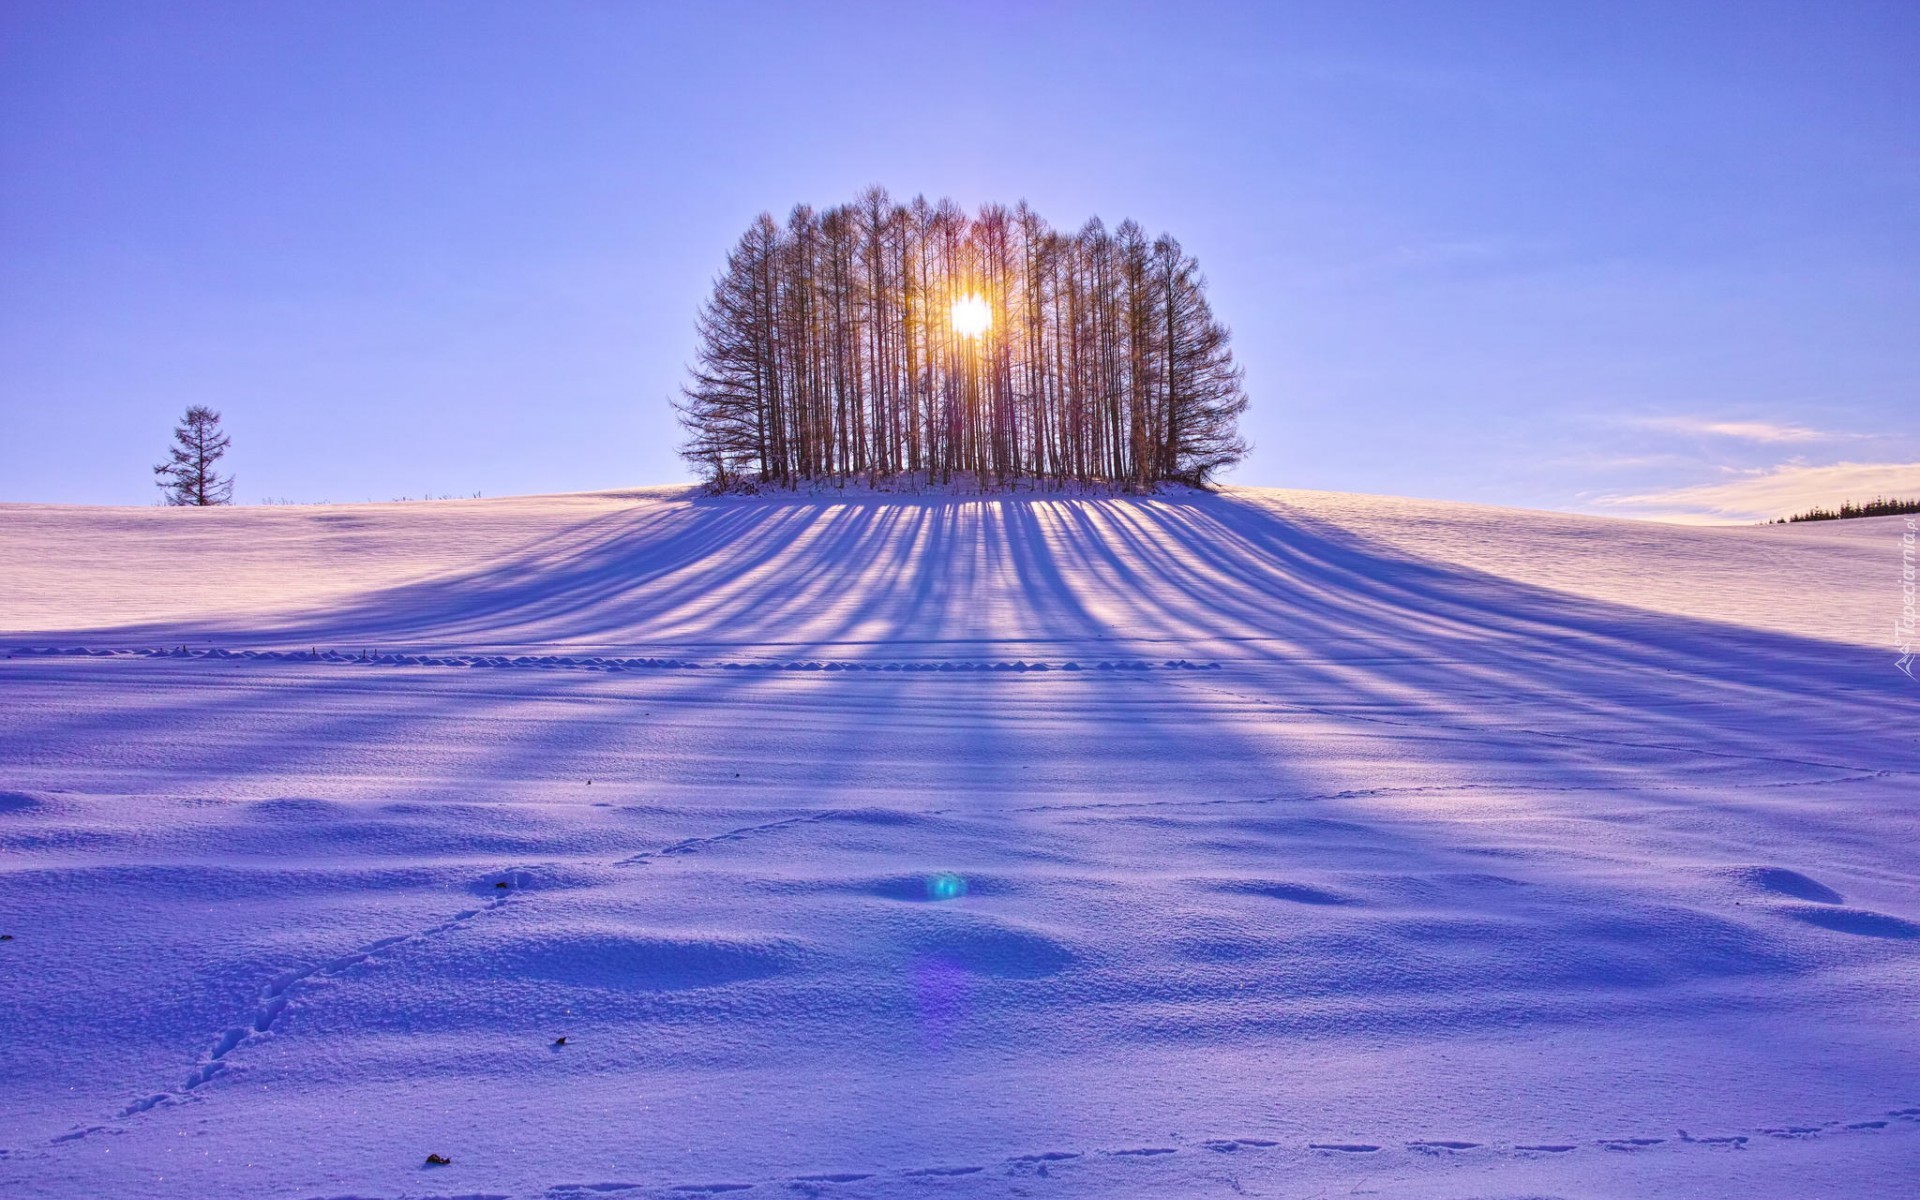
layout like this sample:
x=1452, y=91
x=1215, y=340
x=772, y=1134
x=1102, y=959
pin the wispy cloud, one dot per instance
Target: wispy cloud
x=1746, y=431
x=1769, y=492
x=1603, y=460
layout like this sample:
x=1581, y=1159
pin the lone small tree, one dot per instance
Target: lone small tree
x=187, y=477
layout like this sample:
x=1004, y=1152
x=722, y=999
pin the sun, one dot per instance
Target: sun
x=972, y=316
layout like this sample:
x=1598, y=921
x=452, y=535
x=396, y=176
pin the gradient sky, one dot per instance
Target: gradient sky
x=1636, y=259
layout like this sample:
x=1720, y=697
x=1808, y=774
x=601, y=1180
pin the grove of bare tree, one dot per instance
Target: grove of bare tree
x=884, y=340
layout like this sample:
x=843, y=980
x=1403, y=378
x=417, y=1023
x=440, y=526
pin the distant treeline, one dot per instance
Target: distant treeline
x=880, y=339
x=1875, y=507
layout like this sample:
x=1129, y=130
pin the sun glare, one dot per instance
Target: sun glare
x=971, y=316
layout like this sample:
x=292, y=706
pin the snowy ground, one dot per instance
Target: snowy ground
x=1274, y=843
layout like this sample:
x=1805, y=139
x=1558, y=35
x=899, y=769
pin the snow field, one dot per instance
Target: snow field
x=1367, y=869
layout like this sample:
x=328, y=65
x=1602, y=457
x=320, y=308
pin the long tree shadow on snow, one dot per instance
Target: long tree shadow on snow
x=1306, y=611
x=1028, y=577
x=1293, y=607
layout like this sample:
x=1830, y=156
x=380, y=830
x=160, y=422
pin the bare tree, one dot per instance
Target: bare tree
x=1199, y=432
x=187, y=477
x=829, y=350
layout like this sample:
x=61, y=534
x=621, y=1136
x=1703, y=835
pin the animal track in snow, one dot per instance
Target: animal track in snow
x=1736, y=1139
x=694, y=844
x=564, y=662
x=1036, y=1165
x=274, y=997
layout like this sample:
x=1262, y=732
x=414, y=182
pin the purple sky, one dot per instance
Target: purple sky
x=1555, y=255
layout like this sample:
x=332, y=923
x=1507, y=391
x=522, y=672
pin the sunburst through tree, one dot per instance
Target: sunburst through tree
x=882, y=340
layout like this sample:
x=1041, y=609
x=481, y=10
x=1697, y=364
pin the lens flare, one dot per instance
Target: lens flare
x=972, y=316
x=945, y=886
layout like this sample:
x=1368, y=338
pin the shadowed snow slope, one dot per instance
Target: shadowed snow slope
x=657, y=567
x=1269, y=842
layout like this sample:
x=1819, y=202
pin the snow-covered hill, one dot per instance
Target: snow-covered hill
x=1266, y=843
x=568, y=570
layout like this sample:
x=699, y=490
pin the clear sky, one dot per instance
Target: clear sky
x=1638, y=259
